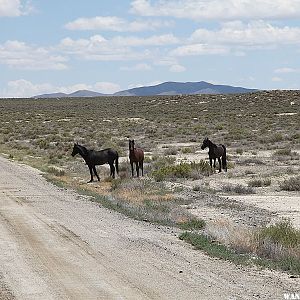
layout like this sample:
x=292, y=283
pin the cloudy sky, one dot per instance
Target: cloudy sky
x=109, y=45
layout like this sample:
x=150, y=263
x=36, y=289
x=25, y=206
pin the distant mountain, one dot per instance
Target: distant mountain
x=166, y=88
x=85, y=93
x=54, y=95
x=80, y=93
x=190, y=88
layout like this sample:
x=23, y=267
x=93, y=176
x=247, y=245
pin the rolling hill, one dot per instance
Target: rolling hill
x=166, y=88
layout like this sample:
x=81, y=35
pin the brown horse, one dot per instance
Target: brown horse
x=215, y=151
x=136, y=155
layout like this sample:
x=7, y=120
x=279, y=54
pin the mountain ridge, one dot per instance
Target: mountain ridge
x=165, y=88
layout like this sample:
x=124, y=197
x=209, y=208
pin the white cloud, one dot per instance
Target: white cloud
x=156, y=40
x=19, y=55
x=106, y=87
x=257, y=33
x=115, y=24
x=136, y=85
x=116, y=49
x=199, y=49
x=137, y=67
x=99, y=49
x=218, y=9
x=14, y=8
x=286, y=70
x=24, y=88
x=177, y=68
x=237, y=37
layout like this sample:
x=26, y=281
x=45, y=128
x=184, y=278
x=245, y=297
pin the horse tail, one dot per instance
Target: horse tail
x=224, y=160
x=117, y=162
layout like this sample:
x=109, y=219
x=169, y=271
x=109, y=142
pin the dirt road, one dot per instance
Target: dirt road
x=55, y=244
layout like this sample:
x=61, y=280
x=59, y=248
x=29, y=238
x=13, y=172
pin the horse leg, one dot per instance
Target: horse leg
x=112, y=170
x=131, y=163
x=219, y=160
x=91, y=172
x=210, y=162
x=95, y=172
x=142, y=167
x=137, y=169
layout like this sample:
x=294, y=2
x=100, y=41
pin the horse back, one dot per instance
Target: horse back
x=216, y=152
x=103, y=156
x=220, y=150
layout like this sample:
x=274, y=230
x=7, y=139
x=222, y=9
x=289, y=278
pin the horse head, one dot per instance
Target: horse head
x=131, y=145
x=205, y=143
x=75, y=150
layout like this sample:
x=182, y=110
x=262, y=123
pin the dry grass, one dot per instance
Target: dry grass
x=140, y=190
x=238, y=189
x=240, y=238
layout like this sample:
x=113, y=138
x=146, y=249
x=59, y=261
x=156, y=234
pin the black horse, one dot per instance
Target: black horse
x=93, y=158
x=215, y=151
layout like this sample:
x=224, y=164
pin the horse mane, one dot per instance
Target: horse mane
x=83, y=150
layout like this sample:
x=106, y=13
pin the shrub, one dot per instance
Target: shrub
x=159, y=162
x=275, y=138
x=187, y=150
x=259, y=182
x=238, y=189
x=56, y=171
x=281, y=233
x=183, y=170
x=291, y=184
x=171, y=151
x=180, y=171
x=239, y=151
x=276, y=246
x=192, y=224
x=282, y=152
x=280, y=243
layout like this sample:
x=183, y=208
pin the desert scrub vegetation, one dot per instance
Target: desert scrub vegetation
x=54, y=170
x=148, y=201
x=280, y=243
x=183, y=170
x=157, y=119
x=259, y=182
x=291, y=184
x=238, y=189
x=276, y=246
x=285, y=154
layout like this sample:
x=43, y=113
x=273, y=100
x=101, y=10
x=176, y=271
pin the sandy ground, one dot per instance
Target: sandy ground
x=280, y=204
x=56, y=244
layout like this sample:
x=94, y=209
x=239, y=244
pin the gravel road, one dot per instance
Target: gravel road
x=56, y=244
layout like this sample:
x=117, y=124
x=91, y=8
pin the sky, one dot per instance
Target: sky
x=108, y=45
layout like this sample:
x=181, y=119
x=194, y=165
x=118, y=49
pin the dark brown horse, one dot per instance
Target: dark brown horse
x=136, y=155
x=93, y=158
x=215, y=152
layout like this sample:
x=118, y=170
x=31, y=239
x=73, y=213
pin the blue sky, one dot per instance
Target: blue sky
x=108, y=45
